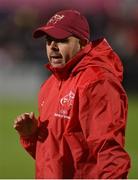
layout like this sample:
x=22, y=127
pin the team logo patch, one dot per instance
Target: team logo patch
x=66, y=104
x=68, y=99
x=55, y=19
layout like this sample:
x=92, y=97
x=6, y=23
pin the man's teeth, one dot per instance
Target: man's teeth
x=56, y=57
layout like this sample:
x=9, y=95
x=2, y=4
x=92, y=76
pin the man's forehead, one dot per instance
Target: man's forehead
x=48, y=37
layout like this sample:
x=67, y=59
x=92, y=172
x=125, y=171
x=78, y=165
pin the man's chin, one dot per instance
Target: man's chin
x=57, y=65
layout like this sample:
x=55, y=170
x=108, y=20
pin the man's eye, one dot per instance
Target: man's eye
x=63, y=40
x=48, y=42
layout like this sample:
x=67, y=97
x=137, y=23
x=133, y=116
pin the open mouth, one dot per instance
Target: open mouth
x=56, y=59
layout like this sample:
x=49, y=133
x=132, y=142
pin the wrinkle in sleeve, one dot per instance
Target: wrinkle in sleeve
x=103, y=114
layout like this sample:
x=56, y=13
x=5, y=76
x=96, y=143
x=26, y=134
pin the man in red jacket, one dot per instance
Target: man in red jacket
x=82, y=106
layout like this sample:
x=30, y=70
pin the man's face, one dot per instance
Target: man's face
x=59, y=52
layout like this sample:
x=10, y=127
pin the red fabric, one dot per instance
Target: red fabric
x=63, y=24
x=83, y=112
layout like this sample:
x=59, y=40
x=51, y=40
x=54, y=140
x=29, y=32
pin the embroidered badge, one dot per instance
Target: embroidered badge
x=55, y=19
x=68, y=99
x=66, y=104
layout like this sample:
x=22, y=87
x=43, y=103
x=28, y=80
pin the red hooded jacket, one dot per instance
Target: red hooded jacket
x=83, y=112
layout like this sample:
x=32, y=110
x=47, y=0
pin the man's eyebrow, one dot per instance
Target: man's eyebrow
x=49, y=38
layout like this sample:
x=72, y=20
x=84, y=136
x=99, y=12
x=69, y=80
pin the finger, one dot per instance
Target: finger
x=25, y=116
x=16, y=126
x=28, y=115
x=31, y=115
x=19, y=120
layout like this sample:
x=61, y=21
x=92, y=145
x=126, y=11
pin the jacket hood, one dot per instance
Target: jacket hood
x=98, y=54
x=101, y=55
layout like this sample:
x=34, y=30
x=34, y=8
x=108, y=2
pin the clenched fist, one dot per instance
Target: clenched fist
x=26, y=124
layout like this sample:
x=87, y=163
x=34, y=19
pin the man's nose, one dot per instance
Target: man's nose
x=54, y=45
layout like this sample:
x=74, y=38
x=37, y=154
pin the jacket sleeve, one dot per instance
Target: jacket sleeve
x=103, y=114
x=29, y=144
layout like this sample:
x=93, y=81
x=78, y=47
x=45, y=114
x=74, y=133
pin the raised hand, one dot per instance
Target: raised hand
x=26, y=124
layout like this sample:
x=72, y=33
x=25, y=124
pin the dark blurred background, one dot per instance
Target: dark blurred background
x=117, y=20
x=22, y=59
